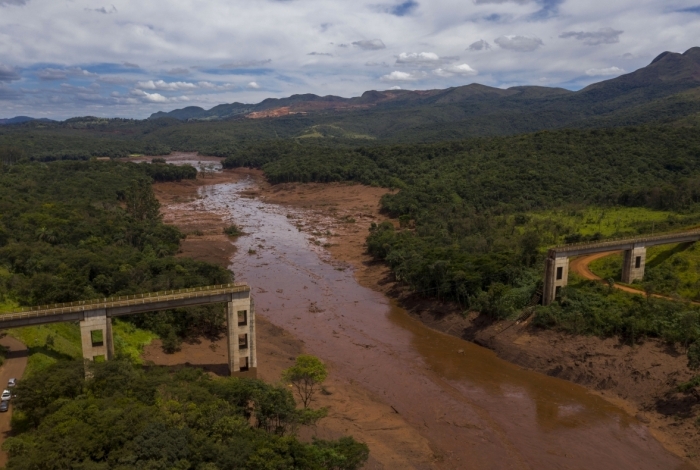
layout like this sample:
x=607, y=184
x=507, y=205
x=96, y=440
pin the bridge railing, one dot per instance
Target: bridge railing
x=617, y=241
x=121, y=300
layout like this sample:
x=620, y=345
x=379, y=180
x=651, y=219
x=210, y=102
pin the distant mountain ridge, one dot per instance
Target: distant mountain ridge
x=22, y=119
x=661, y=90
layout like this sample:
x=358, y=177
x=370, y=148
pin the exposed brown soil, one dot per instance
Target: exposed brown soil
x=205, y=240
x=14, y=366
x=639, y=378
x=394, y=444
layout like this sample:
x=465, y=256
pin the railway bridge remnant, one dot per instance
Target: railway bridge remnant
x=95, y=318
x=635, y=249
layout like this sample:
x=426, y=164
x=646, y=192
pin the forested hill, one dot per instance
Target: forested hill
x=471, y=110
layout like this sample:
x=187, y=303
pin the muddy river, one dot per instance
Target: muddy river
x=476, y=410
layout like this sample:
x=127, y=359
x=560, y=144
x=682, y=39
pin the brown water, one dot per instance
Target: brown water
x=476, y=410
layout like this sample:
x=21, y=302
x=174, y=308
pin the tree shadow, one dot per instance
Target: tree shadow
x=220, y=370
x=666, y=254
x=678, y=404
x=52, y=353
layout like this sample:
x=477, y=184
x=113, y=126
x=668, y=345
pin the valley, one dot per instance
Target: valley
x=396, y=241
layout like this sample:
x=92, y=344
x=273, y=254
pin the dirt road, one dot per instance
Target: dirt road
x=14, y=366
x=581, y=266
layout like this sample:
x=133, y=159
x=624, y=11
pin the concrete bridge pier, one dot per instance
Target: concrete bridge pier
x=633, y=264
x=96, y=335
x=556, y=276
x=240, y=328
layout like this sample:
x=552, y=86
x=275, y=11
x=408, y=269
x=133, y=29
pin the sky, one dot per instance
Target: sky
x=125, y=58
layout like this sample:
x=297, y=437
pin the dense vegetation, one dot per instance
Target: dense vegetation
x=588, y=307
x=81, y=230
x=127, y=417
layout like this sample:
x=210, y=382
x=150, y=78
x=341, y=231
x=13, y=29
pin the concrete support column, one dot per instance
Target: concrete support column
x=633, y=264
x=96, y=335
x=556, y=276
x=240, y=328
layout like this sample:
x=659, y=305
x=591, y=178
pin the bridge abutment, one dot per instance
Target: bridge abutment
x=556, y=276
x=633, y=264
x=96, y=335
x=240, y=329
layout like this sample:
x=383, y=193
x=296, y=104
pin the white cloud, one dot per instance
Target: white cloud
x=369, y=44
x=156, y=97
x=595, y=38
x=165, y=86
x=395, y=87
x=604, y=72
x=62, y=74
x=149, y=97
x=519, y=43
x=253, y=86
x=398, y=76
x=451, y=70
x=213, y=86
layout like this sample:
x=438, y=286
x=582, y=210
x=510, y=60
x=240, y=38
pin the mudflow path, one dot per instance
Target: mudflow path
x=476, y=410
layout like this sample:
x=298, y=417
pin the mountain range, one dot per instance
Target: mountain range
x=21, y=119
x=667, y=89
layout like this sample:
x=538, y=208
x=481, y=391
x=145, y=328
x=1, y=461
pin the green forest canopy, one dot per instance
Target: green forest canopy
x=129, y=417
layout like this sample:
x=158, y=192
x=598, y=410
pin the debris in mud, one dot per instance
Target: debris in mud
x=313, y=308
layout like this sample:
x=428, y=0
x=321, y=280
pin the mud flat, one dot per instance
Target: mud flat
x=455, y=404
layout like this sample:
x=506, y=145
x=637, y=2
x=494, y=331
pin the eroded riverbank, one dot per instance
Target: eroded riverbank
x=472, y=409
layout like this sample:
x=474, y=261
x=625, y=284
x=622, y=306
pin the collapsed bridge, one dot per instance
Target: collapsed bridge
x=95, y=318
x=635, y=250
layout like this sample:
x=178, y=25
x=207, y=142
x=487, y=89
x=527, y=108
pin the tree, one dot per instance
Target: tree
x=141, y=203
x=306, y=376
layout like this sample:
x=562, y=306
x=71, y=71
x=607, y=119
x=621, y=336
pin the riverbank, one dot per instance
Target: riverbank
x=640, y=378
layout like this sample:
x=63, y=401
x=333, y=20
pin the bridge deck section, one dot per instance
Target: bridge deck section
x=577, y=249
x=123, y=305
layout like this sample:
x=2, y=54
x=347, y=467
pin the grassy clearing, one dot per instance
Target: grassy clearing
x=50, y=343
x=7, y=306
x=129, y=340
x=604, y=222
